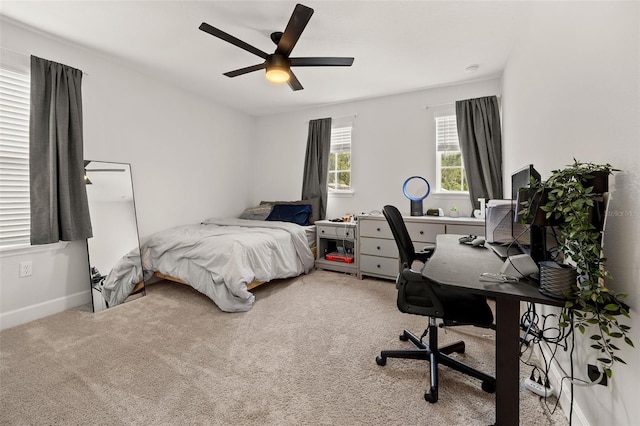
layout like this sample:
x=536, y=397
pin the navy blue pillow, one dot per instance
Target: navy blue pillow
x=291, y=213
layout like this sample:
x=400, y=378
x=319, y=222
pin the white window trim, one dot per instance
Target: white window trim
x=344, y=193
x=340, y=193
x=19, y=250
x=15, y=147
x=443, y=112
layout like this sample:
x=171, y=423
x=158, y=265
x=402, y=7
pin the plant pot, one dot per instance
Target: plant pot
x=556, y=279
x=536, y=215
x=599, y=181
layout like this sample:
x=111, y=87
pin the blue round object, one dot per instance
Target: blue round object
x=404, y=189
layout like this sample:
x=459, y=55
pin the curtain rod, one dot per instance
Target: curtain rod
x=453, y=103
x=14, y=51
x=339, y=118
x=438, y=105
x=28, y=55
x=345, y=116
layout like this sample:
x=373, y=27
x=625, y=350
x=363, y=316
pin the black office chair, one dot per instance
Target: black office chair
x=419, y=296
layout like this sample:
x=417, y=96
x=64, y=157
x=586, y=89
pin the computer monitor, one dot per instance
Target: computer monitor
x=530, y=237
x=522, y=179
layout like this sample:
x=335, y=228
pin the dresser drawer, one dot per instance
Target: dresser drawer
x=382, y=266
x=466, y=229
x=379, y=247
x=424, y=232
x=336, y=232
x=375, y=229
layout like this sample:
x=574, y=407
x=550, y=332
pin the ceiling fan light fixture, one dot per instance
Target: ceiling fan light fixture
x=277, y=69
x=277, y=74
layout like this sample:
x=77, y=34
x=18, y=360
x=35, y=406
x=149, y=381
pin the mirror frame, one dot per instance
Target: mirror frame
x=111, y=194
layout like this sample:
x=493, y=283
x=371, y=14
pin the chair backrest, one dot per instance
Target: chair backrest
x=401, y=235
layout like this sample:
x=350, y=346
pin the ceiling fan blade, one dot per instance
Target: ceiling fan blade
x=293, y=82
x=246, y=70
x=298, y=21
x=233, y=40
x=321, y=62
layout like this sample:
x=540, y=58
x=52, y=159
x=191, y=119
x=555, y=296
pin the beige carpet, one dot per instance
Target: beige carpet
x=305, y=354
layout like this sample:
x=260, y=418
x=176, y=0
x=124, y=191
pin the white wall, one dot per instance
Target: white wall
x=186, y=154
x=571, y=88
x=393, y=138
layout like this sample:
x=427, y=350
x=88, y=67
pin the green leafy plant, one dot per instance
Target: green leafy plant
x=570, y=203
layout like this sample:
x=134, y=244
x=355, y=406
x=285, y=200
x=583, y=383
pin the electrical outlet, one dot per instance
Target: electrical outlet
x=26, y=269
x=594, y=373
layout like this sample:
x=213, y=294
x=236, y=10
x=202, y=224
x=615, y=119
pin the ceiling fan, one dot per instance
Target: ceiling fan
x=278, y=64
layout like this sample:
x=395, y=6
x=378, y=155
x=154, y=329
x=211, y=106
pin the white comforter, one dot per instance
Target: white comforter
x=221, y=256
x=123, y=278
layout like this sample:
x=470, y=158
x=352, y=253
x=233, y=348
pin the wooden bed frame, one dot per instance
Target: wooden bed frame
x=251, y=285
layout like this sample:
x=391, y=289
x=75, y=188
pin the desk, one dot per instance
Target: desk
x=459, y=265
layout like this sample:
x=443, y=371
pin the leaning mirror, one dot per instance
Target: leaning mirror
x=114, y=250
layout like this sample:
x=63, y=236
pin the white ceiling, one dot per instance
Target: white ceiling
x=399, y=46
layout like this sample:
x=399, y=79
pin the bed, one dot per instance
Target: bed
x=221, y=258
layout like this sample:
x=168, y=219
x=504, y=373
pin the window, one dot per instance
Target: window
x=14, y=158
x=340, y=159
x=450, y=174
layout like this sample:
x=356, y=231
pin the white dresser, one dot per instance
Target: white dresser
x=377, y=251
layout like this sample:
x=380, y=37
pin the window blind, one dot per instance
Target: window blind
x=447, y=134
x=14, y=158
x=341, y=139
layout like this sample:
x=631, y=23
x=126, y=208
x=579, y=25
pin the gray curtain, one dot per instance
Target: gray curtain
x=59, y=208
x=316, y=163
x=480, y=140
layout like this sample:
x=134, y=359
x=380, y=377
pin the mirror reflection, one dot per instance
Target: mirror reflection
x=114, y=247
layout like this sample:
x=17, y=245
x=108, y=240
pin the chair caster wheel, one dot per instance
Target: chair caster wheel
x=403, y=337
x=381, y=361
x=489, y=387
x=431, y=396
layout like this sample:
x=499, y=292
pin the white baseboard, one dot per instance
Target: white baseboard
x=555, y=375
x=44, y=309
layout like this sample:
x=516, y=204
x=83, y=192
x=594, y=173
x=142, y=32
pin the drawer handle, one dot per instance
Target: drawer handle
x=378, y=229
x=378, y=247
x=347, y=233
x=378, y=266
x=421, y=232
x=322, y=232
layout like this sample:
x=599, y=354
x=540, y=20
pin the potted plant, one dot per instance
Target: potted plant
x=573, y=202
x=453, y=212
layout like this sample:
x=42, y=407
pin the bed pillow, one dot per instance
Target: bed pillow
x=313, y=202
x=293, y=213
x=260, y=212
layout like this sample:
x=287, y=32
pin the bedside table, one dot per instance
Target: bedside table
x=337, y=240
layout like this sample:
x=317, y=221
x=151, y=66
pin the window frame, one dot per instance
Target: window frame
x=447, y=115
x=337, y=127
x=14, y=124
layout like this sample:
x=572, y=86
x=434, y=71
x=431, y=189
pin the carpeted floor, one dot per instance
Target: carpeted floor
x=303, y=355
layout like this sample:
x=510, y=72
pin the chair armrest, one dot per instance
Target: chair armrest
x=426, y=252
